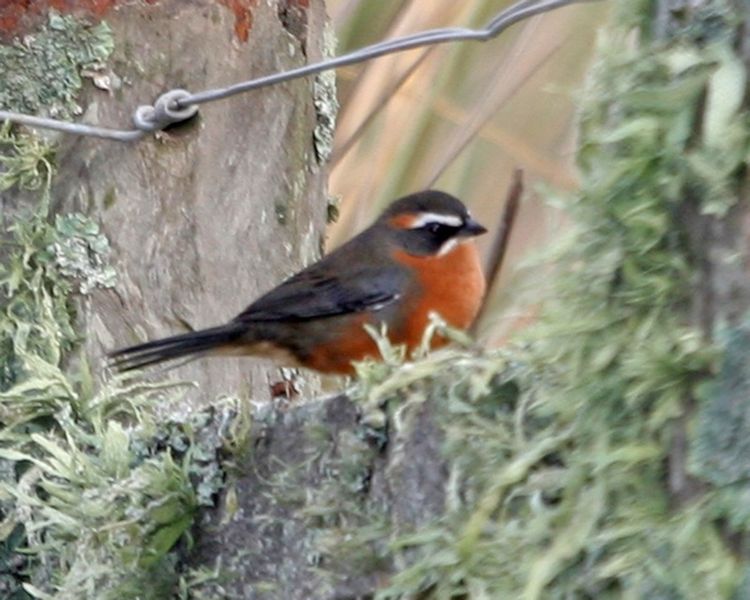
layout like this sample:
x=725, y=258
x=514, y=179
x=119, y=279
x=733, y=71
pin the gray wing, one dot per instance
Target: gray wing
x=316, y=292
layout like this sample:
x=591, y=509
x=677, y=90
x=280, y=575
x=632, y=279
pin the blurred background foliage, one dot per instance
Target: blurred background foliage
x=461, y=117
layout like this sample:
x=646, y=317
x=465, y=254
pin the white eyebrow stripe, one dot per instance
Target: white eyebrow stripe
x=429, y=217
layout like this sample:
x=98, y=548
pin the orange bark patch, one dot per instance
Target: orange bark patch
x=243, y=16
x=19, y=16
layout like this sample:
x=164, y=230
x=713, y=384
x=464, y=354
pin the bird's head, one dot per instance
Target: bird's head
x=429, y=223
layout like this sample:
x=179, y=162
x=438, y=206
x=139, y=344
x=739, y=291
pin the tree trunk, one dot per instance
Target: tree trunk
x=208, y=216
x=201, y=220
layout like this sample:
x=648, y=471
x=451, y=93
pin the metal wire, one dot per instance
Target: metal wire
x=178, y=105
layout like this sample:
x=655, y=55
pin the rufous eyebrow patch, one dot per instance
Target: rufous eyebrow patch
x=402, y=220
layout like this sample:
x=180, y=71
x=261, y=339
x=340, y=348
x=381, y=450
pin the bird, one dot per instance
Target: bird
x=419, y=257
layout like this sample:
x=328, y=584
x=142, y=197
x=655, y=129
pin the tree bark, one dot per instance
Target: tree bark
x=206, y=217
x=201, y=219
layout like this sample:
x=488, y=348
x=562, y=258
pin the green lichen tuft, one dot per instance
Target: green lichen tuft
x=25, y=161
x=96, y=488
x=98, y=491
x=326, y=102
x=42, y=76
x=42, y=71
x=720, y=450
x=37, y=312
x=81, y=252
x=104, y=502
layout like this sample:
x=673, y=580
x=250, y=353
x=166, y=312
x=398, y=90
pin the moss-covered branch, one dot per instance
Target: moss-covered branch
x=557, y=468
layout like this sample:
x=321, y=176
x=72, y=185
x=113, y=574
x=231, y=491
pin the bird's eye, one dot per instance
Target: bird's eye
x=434, y=227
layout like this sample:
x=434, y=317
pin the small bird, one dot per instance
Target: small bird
x=419, y=257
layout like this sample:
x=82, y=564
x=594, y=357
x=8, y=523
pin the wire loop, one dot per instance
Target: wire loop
x=178, y=105
x=171, y=107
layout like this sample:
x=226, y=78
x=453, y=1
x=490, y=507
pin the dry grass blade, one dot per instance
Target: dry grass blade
x=342, y=11
x=499, y=89
x=341, y=150
x=390, y=123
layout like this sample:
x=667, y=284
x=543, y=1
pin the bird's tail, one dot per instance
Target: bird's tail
x=177, y=346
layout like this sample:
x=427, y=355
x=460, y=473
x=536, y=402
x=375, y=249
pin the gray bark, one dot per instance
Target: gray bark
x=320, y=457
x=720, y=248
x=204, y=219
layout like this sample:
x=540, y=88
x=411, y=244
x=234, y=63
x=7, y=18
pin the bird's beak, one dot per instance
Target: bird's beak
x=471, y=228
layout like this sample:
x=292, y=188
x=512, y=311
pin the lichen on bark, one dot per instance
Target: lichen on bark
x=96, y=488
x=43, y=70
x=540, y=471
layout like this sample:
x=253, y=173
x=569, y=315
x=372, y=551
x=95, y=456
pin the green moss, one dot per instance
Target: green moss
x=97, y=491
x=36, y=322
x=110, y=198
x=25, y=161
x=42, y=70
x=99, y=487
x=558, y=448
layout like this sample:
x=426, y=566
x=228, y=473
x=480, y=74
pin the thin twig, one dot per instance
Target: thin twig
x=502, y=237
